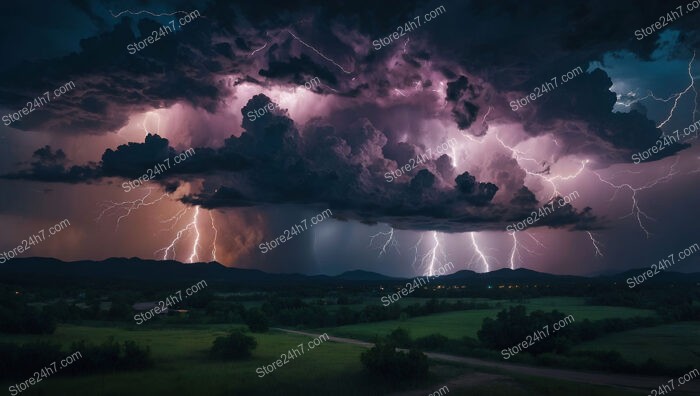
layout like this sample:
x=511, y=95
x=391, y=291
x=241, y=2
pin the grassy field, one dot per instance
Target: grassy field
x=675, y=344
x=466, y=323
x=182, y=368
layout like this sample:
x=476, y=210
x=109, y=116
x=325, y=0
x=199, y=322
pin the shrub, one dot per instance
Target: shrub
x=110, y=356
x=400, y=337
x=235, y=345
x=384, y=361
x=23, y=319
x=18, y=360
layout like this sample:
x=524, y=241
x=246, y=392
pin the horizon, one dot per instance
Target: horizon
x=592, y=275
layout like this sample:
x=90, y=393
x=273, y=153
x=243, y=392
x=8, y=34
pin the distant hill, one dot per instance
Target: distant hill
x=36, y=269
x=360, y=275
x=135, y=269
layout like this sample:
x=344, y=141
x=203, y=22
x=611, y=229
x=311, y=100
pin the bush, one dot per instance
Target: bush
x=257, y=321
x=109, y=356
x=384, y=361
x=400, y=337
x=234, y=346
x=23, y=319
x=512, y=326
x=20, y=360
x=135, y=356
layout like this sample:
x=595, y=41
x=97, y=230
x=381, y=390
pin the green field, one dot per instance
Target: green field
x=466, y=323
x=183, y=368
x=675, y=344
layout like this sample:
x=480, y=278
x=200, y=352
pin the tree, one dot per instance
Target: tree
x=385, y=362
x=235, y=345
x=256, y=321
x=400, y=337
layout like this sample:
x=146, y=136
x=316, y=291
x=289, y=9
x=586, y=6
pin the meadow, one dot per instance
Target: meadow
x=458, y=324
x=182, y=367
x=674, y=344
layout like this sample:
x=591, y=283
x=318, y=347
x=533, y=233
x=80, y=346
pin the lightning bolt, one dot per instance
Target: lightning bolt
x=318, y=52
x=192, y=225
x=478, y=252
x=483, y=120
x=196, y=240
x=253, y=53
x=433, y=254
x=636, y=212
x=128, y=206
x=146, y=12
x=595, y=243
x=680, y=94
x=552, y=181
x=676, y=97
x=175, y=219
x=515, y=250
x=434, y=257
x=216, y=234
x=415, y=248
x=143, y=124
x=520, y=156
x=390, y=241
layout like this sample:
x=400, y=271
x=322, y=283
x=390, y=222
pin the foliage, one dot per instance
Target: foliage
x=257, y=321
x=235, y=345
x=19, y=318
x=400, y=337
x=22, y=360
x=384, y=361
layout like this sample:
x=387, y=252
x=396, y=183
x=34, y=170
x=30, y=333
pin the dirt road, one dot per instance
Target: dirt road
x=605, y=379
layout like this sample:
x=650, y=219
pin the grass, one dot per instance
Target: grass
x=466, y=323
x=183, y=368
x=672, y=344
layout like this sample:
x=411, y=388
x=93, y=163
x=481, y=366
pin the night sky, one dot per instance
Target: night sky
x=363, y=112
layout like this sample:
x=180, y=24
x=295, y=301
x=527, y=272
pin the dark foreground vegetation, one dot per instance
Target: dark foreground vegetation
x=36, y=307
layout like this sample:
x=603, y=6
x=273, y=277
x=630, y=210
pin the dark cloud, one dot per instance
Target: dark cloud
x=270, y=163
x=524, y=198
x=51, y=166
x=611, y=136
x=342, y=161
